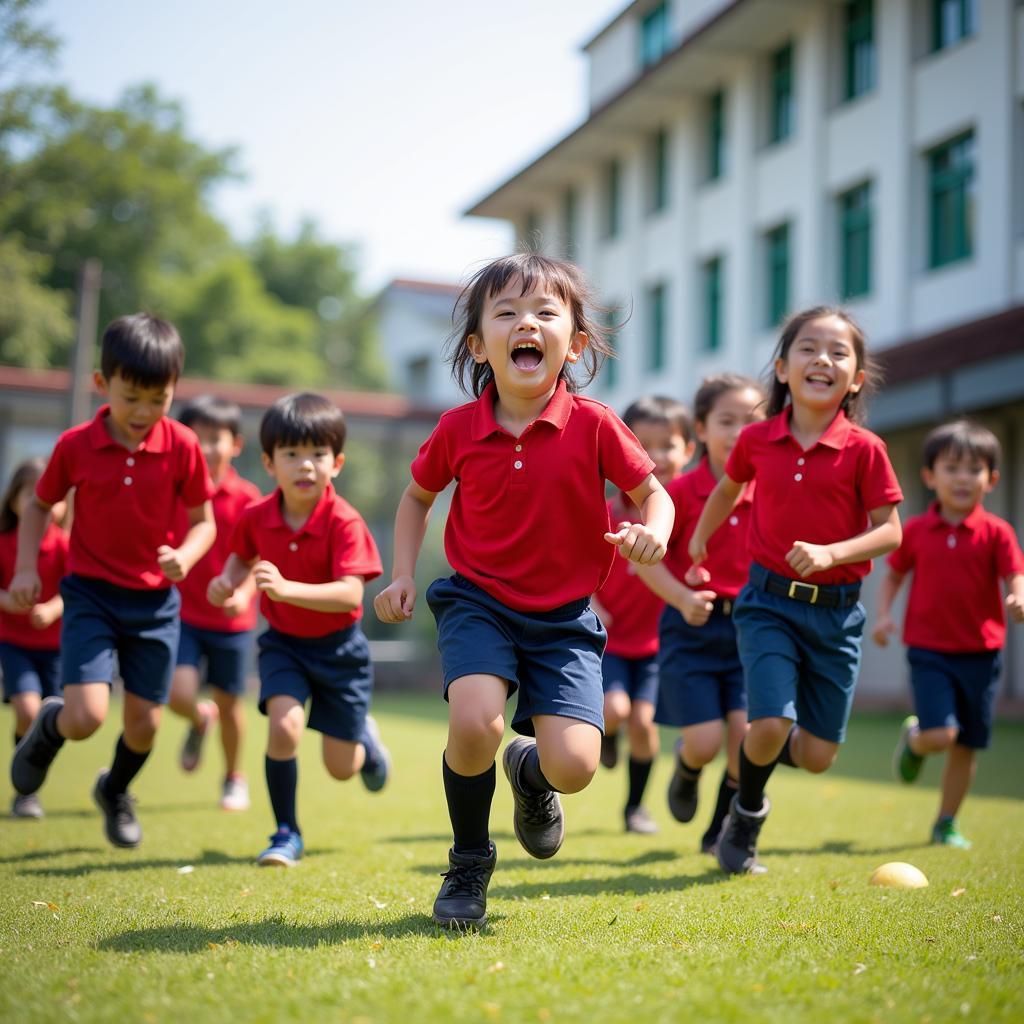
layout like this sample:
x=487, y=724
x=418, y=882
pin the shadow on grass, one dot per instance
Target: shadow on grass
x=147, y=808
x=274, y=931
x=624, y=885
x=845, y=847
x=66, y=851
x=531, y=864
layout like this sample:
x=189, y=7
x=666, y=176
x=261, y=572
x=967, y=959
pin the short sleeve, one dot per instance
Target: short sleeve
x=354, y=551
x=1009, y=559
x=903, y=558
x=431, y=468
x=739, y=466
x=679, y=491
x=56, y=481
x=623, y=458
x=194, y=478
x=243, y=539
x=878, y=483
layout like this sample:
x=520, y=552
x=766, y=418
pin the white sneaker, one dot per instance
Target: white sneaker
x=235, y=796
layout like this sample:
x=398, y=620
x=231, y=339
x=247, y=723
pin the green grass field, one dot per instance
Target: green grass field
x=615, y=928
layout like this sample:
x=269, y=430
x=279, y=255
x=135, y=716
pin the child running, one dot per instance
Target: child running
x=310, y=554
x=529, y=538
x=954, y=627
x=131, y=467
x=701, y=678
x=630, y=613
x=825, y=506
x=219, y=637
x=30, y=639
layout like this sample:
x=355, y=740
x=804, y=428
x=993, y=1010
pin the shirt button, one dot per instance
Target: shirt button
x=128, y=480
x=519, y=447
x=734, y=520
x=293, y=546
x=518, y=464
x=130, y=461
x=951, y=541
x=798, y=477
x=800, y=461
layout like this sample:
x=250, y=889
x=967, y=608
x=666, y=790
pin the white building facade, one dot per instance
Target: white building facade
x=743, y=159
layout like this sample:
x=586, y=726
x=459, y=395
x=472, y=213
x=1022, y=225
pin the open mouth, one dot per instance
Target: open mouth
x=526, y=355
x=819, y=379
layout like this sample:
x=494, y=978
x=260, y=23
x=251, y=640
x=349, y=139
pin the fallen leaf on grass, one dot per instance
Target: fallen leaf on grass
x=997, y=918
x=47, y=904
x=833, y=884
x=377, y=945
x=186, y=869
x=495, y=967
x=957, y=892
x=377, y=903
x=859, y=968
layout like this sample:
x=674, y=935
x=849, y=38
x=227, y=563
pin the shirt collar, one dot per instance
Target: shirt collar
x=157, y=440
x=835, y=436
x=227, y=481
x=556, y=412
x=973, y=519
x=316, y=524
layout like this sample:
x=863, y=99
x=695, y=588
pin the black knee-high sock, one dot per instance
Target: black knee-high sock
x=753, y=779
x=48, y=725
x=469, y=807
x=726, y=791
x=17, y=737
x=786, y=754
x=126, y=766
x=530, y=775
x=639, y=773
x=282, y=782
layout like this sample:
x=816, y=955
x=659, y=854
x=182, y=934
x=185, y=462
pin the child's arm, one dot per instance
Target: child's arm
x=26, y=586
x=240, y=599
x=884, y=624
x=340, y=595
x=882, y=536
x=175, y=563
x=645, y=543
x=46, y=613
x=396, y=601
x=694, y=605
x=1015, y=598
x=235, y=572
x=721, y=501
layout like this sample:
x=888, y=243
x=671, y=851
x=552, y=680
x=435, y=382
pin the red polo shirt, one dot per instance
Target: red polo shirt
x=820, y=496
x=53, y=556
x=728, y=558
x=633, y=606
x=333, y=542
x=529, y=513
x=955, y=603
x=126, y=502
x=230, y=497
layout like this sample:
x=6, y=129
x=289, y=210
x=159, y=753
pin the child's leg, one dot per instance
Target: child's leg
x=342, y=758
x=615, y=681
x=286, y=723
x=184, y=695
x=736, y=729
x=957, y=777
x=643, y=749
x=565, y=757
x=26, y=707
x=811, y=753
x=616, y=711
x=231, y=713
x=84, y=711
x=141, y=721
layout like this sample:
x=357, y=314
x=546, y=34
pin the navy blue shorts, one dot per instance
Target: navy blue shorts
x=553, y=658
x=637, y=678
x=956, y=691
x=332, y=672
x=29, y=671
x=800, y=660
x=701, y=674
x=226, y=656
x=140, y=627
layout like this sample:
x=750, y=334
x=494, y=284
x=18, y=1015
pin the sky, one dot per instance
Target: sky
x=383, y=121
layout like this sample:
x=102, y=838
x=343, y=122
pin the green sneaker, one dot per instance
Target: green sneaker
x=946, y=833
x=906, y=765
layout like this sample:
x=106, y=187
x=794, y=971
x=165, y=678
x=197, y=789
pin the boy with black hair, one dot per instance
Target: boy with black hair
x=131, y=467
x=310, y=553
x=955, y=625
x=219, y=637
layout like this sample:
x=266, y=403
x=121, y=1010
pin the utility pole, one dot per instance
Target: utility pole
x=85, y=340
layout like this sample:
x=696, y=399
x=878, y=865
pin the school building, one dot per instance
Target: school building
x=742, y=159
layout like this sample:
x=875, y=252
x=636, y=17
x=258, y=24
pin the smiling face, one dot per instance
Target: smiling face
x=526, y=340
x=665, y=445
x=134, y=409
x=959, y=481
x=820, y=368
x=730, y=413
x=303, y=472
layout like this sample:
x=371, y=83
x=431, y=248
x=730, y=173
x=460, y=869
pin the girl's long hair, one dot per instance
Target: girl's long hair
x=27, y=473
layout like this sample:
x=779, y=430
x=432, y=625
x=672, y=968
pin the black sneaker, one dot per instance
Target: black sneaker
x=462, y=901
x=119, y=821
x=710, y=838
x=682, y=789
x=35, y=753
x=736, y=849
x=538, y=821
x=610, y=749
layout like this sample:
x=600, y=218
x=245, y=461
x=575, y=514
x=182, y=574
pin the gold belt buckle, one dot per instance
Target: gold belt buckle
x=812, y=587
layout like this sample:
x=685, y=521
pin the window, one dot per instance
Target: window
x=855, y=241
x=776, y=251
x=951, y=200
x=716, y=136
x=654, y=35
x=860, y=48
x=610, y=367
x=712, y=328
x=782, y=113
x=658, y=172
x=570, y=222
x=656, y=324
x=953, y=20
x=612, y=199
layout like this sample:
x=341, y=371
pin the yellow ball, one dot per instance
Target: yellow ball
x=898, y=875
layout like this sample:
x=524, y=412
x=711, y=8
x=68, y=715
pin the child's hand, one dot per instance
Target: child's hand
x=234, y=604
x=219, y=591
x=698, y=552
x=396, y=601
x=25, y=589
x=696, y=576
x=809, y=558
x=172, y=565
x=637, y=543
x=1015, y=607
x=44, y=614
x=269, y=580
x=697, y=606
x=884, y=628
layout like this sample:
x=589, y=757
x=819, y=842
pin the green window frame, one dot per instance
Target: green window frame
x=860, y=48
x=777, y=260
x=712, y=274
x=782, y=115
x=716, y=135
x=612, y=199
x=659, y=173
x=951, y=200
x=657, y=326
x=855, y=228
x=654, y=35
x=953, y=20
x=570, y=221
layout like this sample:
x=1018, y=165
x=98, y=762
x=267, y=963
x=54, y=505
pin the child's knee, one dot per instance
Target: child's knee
x=700, y=750
x=284, y=734
x=78, y=722
x=473, y=730
x=340, y=770
x=616, y=706
x=570, y=771
x=818, y=761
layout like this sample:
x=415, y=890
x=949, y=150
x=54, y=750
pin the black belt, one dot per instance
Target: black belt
x=722, y=606
x=821, y=594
